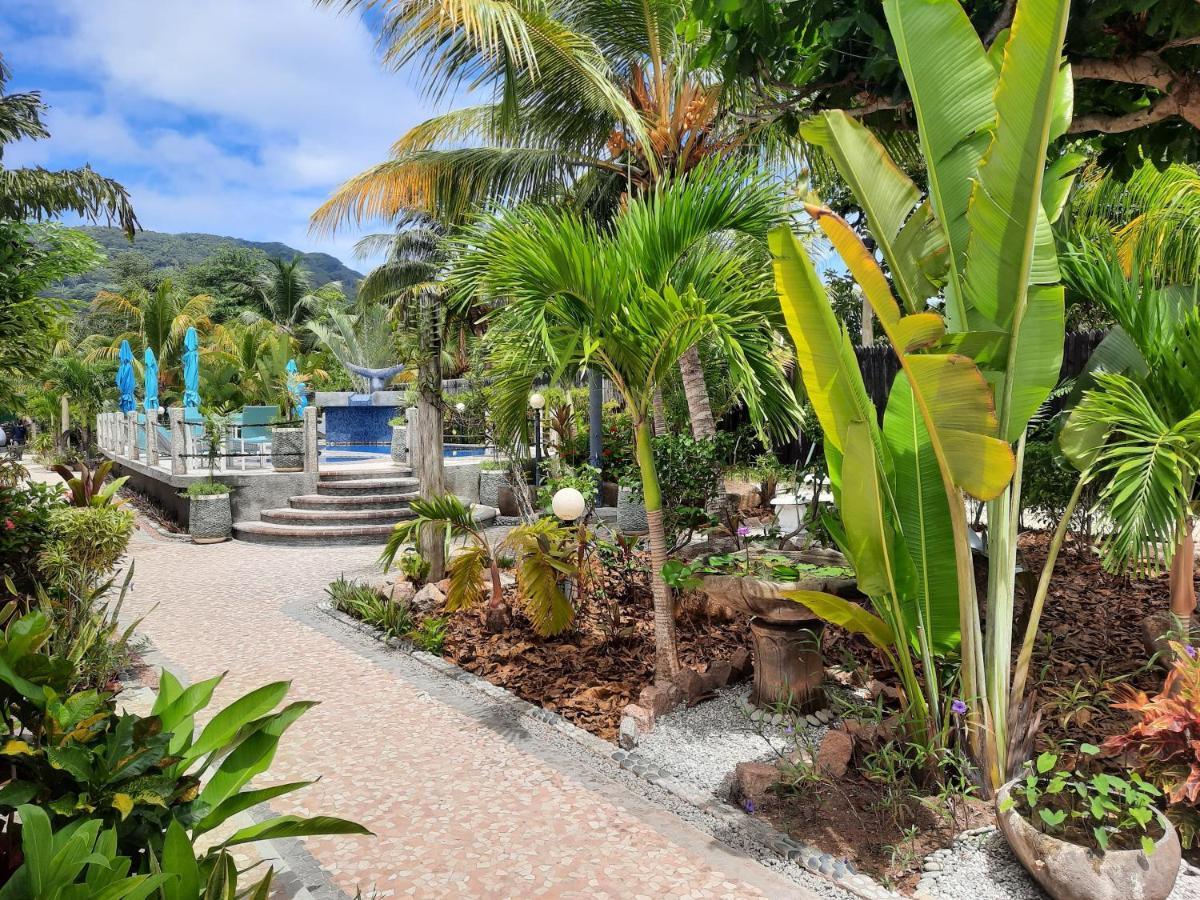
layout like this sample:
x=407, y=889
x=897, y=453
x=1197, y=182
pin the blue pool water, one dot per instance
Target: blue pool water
x=337, y=453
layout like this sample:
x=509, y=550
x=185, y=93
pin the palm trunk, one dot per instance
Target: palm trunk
x=660, y=413
x=1183, y=585
x=427, y=456
x=696, y=391
x=666, y=651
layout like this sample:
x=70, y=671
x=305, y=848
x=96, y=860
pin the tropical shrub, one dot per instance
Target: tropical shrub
x=88, y=487
x=25, y=512
x=91, y=539
x=1162, y=742
x=78, y=757
x=1047, y=481
x=367, y=605
x=206, y=489
x=430, y=635
x=414, y=567
x=975, y=366
x=582, y=477
x=616, y=443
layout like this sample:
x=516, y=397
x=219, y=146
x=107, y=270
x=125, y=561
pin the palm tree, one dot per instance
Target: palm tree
x=1152, y=216
x=1139, y=427
x=156, y=319
x=37, y=193
x=675, y=267
x=86, y=384
x=602, y=97
x=284, y=294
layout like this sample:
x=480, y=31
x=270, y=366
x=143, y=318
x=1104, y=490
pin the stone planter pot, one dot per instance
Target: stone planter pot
x=788, y=668
x=631, y=513
x=210, y=519
x=490, y=483
x=1068, y=871
x=287, y=449
x=399, y=444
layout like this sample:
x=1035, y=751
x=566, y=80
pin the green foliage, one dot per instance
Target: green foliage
x=146, y=777
x=206, y=489
x=91, y=538
x=414, y=566
x=583, y=478
x=430, y=635
x=546, y=554
x=689, y=474
x=368, y=605
x=1093, y=809
x=25, y=511
x=202, y=263
x=1047, y=480
x=616, y=441
x=88, y=487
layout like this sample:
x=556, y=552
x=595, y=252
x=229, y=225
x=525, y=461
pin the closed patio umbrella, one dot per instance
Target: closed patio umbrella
x=191, y=370
x=151, y=401
x=125, y=384
x=296, y=387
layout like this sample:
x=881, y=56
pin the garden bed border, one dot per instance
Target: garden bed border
x=839, y=872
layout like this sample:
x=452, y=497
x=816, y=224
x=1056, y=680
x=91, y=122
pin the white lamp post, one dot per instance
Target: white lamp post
x=568, y=504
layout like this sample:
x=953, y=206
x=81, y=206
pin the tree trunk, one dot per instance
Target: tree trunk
x=1183, y=585
x=660, y=413
x=867, y=337
x=595, y=417
x=64, y=420
x=427, y=454
x=696, y=391
x=666, y=651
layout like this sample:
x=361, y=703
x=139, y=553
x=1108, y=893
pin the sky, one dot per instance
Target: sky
x=234, y=117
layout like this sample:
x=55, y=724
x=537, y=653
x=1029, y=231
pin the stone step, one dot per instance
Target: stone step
x=306, y=535
x=346, y=516
x=351, y=501
x=374, y=473
x=365, y=486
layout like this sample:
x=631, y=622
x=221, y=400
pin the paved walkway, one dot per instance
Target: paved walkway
x=464, y=800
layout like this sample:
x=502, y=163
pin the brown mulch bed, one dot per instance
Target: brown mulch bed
x=590, y=673
x=151, y=510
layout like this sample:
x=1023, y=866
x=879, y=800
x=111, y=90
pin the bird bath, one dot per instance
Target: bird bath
x=788, y=668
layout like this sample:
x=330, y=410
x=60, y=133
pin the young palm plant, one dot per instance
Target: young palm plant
x=680, y=263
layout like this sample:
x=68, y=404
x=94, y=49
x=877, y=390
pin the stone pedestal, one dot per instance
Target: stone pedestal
x=788, y=669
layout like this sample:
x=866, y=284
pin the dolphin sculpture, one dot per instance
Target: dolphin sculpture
x=378, y=378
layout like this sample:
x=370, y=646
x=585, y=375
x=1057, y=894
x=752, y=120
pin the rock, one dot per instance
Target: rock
x=742, y=664
x=719, y=673
x=833, y=755
x=824, y=715
x=660, y=698
x=444, y=585
x=428, y=599
x=627, y=733
x=402, y=591
x=753, y=782
x=694, y=686
x=812, y=720
x=642, y=718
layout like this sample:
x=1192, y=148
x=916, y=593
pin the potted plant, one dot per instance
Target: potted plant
x=631, y=510
x=493, y=474
x=399, y=440
x=210, y=516
x=1089, y=835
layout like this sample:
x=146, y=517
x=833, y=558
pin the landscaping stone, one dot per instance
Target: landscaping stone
x=428, y=599
x=402, y=591
x=753, y=781
x=834, y=752
x=627, y=733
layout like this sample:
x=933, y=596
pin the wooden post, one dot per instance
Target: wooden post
x=178, y=461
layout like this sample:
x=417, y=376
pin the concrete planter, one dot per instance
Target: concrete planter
x=1070, y=872
x=490, y=483
x=210, y=519
x=399, y=444
x=287, y=449
x=631, y=513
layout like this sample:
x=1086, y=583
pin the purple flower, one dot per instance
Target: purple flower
x=748, y=805
x=958, y=707
x=742, y=531
x=1191, y=651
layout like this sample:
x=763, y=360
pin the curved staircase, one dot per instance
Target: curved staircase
x=350, y=507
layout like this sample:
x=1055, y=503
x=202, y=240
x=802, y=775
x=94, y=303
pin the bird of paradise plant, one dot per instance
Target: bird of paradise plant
x=978, y=330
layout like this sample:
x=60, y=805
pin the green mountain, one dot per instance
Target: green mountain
x=178, y=251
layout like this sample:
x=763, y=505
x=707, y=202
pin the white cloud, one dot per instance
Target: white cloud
x=232, y=116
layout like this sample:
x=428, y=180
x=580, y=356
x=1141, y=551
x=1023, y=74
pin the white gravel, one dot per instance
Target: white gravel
x=702, y=745
x=981, y=867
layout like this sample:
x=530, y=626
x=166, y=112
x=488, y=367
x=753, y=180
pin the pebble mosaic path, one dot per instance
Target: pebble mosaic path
x=464, y=800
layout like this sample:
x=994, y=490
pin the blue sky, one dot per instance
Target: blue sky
x=235, y=117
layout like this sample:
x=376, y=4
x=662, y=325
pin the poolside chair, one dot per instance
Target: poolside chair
x=254, y=432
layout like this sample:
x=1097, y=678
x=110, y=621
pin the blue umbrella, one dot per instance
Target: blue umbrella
x=125, y=378
x=191, y=370
x=151, y=401
x=296, y=387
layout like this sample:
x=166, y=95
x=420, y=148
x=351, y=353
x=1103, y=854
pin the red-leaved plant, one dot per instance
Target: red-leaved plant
x=1165, y=741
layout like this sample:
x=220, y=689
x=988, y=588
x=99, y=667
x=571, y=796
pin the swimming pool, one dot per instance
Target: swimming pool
x=343, y=453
